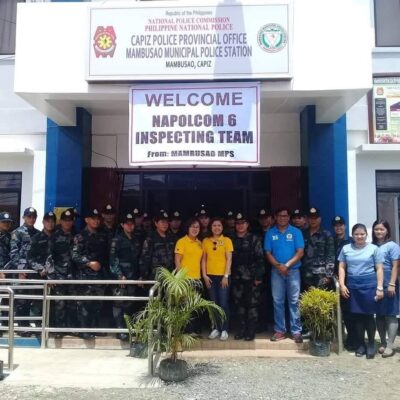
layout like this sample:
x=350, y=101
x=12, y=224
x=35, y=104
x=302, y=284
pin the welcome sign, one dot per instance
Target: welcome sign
x=213, y=123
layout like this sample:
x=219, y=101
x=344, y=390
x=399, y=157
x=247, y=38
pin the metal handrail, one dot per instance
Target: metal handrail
x=10, y=309
x=339, y=317
x=45, y=284
x=150, y=350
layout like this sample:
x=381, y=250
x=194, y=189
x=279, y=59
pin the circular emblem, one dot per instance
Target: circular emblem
x=262, y=212
x=202, y=211
x=272, y=38
x=129, y=216
x=230, y=213
x=104, y=41
x=6, y=216
x=337, y=218
x=239, y=216
x=136, y=211
x=51, y=214
x=176, y=214
x=31, y=210
x=296, y=211
x=108, y=207
x=313, y=210
x=165, y=215
x=145, y=215
x=95, y=211
x=68, y=213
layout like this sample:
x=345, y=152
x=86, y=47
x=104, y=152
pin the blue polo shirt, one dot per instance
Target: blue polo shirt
x=283, y=245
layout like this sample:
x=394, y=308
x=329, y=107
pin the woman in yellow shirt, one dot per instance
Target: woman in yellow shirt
x=216, y=270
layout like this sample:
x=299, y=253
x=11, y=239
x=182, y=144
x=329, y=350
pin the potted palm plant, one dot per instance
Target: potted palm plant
x=169, y=315
x=318, y=309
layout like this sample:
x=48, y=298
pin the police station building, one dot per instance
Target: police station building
x=234, y=104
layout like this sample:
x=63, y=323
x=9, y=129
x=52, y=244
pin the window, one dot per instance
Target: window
x=388, y=199
x=10, y=193
x=8, y=19
x=387, y=17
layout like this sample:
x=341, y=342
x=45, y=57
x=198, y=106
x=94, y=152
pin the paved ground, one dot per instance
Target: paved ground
x=110, y=374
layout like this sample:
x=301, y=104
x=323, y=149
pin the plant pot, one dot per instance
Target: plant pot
x=173, y=371
x=320, y=348
x=138, y=350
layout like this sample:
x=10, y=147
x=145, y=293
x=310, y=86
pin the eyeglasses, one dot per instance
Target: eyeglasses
x=214, y=245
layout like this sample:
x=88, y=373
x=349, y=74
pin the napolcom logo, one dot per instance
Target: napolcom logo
x=104, y=41
x=272, y=38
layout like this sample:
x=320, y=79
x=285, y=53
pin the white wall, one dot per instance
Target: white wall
x=280, y=141
x=22, y=140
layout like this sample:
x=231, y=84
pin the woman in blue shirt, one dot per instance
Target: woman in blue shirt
x=361, y=263
x=388, y=308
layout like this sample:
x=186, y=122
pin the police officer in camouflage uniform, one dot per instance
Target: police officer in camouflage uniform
x=109, y=225
x=318, y=263
x=158, y=248
x=20, y=242
x=124, y=265
x=204, y=218
x=247, y=272
x=140, y=232
x=90, y=255
x=299, y=219
x=5, y=239
x=62, y=268
x=175, y=225
x=229, y=224
x=38, y=253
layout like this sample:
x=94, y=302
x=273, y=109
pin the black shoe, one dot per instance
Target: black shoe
x=86, y=336
x=59, y=335
x=249, y=337
x=360, y=352
x=371, y=351
x=239, y=336
x=122, y=336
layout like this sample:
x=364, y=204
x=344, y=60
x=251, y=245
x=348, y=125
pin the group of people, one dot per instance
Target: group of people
x=287, y=252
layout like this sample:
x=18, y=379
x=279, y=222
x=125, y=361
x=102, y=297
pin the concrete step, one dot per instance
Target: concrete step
x=261, y=342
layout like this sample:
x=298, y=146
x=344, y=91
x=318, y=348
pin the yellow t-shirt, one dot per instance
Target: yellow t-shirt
x=216, y=254
x=191, y=252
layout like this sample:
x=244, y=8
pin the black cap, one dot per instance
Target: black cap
x=146, y=216
x=298, y=213
x=264, y=213
x=162, y=214
x=68, y=215
x=108, y=209
x=136, y=213
x=93, y=213
x=202, y=212
x=30, y=211
x=5, y=216
x=239, y=217
x=50, y=215
x=338, y=220
x=176, y=215
x=313, y=212
x=229, y=215
x=127, y=218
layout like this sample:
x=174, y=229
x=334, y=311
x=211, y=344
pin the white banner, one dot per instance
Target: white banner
x=170, y=41
x=210, y=123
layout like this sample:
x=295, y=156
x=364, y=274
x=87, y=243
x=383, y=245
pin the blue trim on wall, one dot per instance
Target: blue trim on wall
x=324, y=152
x=68, y=151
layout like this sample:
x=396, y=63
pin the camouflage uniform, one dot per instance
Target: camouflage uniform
x=5, y=239
x=20, y=243
x=62, y=268
x=37, y=256
x=124, y=262
x=90, y=246
x=157, y=251
x=319, y=257
x=247, y=267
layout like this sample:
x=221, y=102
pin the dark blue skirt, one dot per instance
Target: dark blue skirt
x=388, y=305
x=362, y=294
